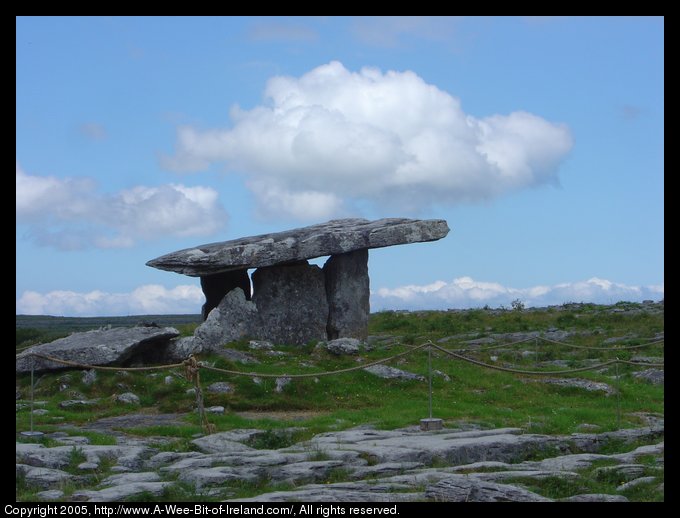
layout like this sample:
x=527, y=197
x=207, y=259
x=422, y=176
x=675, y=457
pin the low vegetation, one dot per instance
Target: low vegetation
x=462, y=393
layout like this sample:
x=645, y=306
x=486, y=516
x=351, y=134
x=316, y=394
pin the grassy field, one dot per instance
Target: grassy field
x=462, y=393
x=473, y=394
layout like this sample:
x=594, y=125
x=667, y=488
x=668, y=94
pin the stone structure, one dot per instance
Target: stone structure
x=292, y=301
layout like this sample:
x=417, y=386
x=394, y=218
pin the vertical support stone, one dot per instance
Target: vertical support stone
x=216, y=286
x=347, y=291
x=291, y=303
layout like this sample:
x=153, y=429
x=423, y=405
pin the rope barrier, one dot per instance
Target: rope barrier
x=316, y=374
x=620, y=348
x=453, y=353
x=103, y=367
x=542, y=373
x=497, y=346
x=192, y=369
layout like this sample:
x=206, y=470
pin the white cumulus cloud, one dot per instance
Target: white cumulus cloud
x=465, y=292
x=335, y=137
x=144, y=300
x=69, y=213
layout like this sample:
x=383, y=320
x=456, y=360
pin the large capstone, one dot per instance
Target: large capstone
x=217, y=285
x=347, y=291
x=291, y=303
x=337, y=236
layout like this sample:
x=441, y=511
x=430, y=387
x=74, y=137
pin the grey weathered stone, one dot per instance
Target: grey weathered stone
x=341, y=346
x=653, y=376
x=591, y=386
x=128, y=398
x=334, y=237
x=635, y=482
x=129, y=478
x=220, y=387
x=490, y=459
x=623, y=471
x=215, y=410
x=59, y=457
x=217, y=285
x=281, y=383
x=77, y=402
x=121, y=492
x=100, y=347
x=460, y=488
x=89, y=377
x=387, y=372
x=233, y=318
x=180, y=349
x=42, y=477
x=226, y=441
x=347, y=291
x=50, y=494
x=595, y=497
x=291, y=303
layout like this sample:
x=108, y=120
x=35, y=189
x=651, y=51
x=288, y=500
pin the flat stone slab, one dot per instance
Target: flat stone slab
x=98, y=347
x=337, y=236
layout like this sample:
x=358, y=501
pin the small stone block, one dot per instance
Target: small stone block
x=431, y=423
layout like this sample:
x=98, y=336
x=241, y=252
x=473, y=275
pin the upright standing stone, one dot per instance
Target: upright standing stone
x=291, y=303
x=347, y=291
x=217, y=285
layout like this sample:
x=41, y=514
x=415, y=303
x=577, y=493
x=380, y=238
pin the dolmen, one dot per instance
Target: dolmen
x=292, y=302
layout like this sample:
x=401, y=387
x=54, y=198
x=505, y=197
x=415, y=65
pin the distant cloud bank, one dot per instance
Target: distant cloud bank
x=69, y=213
x=465, y=292
x=462, y=292
x=331, y=139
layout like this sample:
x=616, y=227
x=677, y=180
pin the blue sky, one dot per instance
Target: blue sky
x=539, y=140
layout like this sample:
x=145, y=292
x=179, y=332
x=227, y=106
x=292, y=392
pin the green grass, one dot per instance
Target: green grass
x=473, y=394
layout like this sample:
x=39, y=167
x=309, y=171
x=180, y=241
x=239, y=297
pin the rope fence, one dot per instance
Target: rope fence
x=192, y=367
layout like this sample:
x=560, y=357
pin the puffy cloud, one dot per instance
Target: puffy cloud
x=70, y=214
x=388, y=138
x=465, y=292
x=144, y=300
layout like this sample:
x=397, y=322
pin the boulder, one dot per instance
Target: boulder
x=117, y=346
x=128, y=398
x=217, y=285
x=233, y=318
x=387, y=372
x=653, y=376
x=334, y=237
x=220, y=387
x=342, y=346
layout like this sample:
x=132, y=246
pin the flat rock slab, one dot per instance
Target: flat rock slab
x=99, y=347
x=337, y=236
